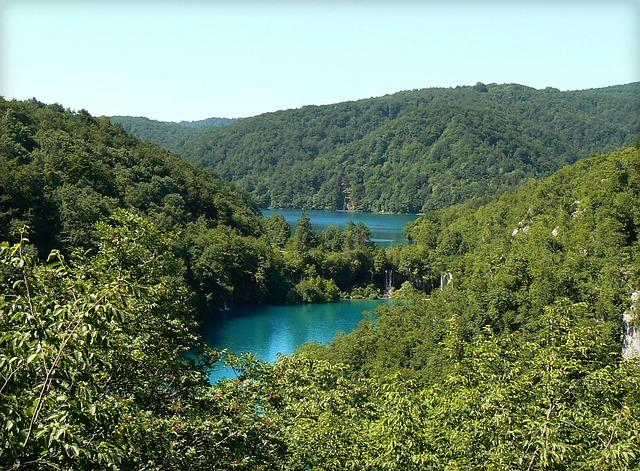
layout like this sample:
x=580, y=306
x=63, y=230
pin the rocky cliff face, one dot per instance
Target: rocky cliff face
x=631, y=324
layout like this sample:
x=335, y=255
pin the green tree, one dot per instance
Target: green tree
x=332, y=238
x=304, y=237
x=278, y=230
x=94, y=356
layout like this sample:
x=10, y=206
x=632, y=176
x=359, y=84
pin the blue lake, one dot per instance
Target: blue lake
x=268, y=330
x=386, y=229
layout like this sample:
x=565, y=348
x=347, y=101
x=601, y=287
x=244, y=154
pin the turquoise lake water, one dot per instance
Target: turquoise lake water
x=386, y=228
x=268, y=330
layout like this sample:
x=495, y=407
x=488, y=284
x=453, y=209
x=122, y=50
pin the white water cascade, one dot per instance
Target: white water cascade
x=631, y=329
x=388, y=281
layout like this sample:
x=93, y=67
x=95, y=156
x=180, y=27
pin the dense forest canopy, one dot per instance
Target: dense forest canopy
x=417, y=150
x=501, y=264
x=64, y=170
x=501, y=349
x=61, y=172
x=169, y=135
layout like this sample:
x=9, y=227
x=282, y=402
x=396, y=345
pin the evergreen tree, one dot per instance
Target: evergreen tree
x=304, y=237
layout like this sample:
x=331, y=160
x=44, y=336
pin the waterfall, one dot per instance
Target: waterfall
x=388, y=281
x=445, y=279
x=631, y=330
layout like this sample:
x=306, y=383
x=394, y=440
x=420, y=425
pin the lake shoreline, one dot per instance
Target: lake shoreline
x=343, y=211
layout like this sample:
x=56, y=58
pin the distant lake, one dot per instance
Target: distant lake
x=386, y=229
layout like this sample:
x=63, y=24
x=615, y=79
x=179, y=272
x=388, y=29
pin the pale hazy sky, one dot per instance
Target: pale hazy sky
x=188, y=60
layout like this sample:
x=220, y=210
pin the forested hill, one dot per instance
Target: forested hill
x=514, y=361
x=170, y=135
x=65, y=175
x=62, y=171
x=501, y=350
x=572, y=236
x=416, y=150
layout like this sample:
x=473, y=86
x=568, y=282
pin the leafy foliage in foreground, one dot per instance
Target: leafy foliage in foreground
x=99, y=368
x=93, y=356
x=559, y=401
x=419, y=150
x=95, y=375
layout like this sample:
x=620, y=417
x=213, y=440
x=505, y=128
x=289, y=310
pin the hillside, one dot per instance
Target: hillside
x=62, y=171
x=170, y=135
x=65, y=174
x=501, y=349
x=505, y=263
x=513, y=362
x=416, y=150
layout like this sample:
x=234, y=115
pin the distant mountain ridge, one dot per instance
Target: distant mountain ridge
x=168, y=134
x=208, y=122
x=414, y=150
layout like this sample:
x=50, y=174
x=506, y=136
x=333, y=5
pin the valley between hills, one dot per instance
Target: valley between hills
x=511, y=340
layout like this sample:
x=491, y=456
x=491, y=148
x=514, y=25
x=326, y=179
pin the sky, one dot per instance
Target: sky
x=190, y=60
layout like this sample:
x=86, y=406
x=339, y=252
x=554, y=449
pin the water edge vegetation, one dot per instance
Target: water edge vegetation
x=114, y=245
